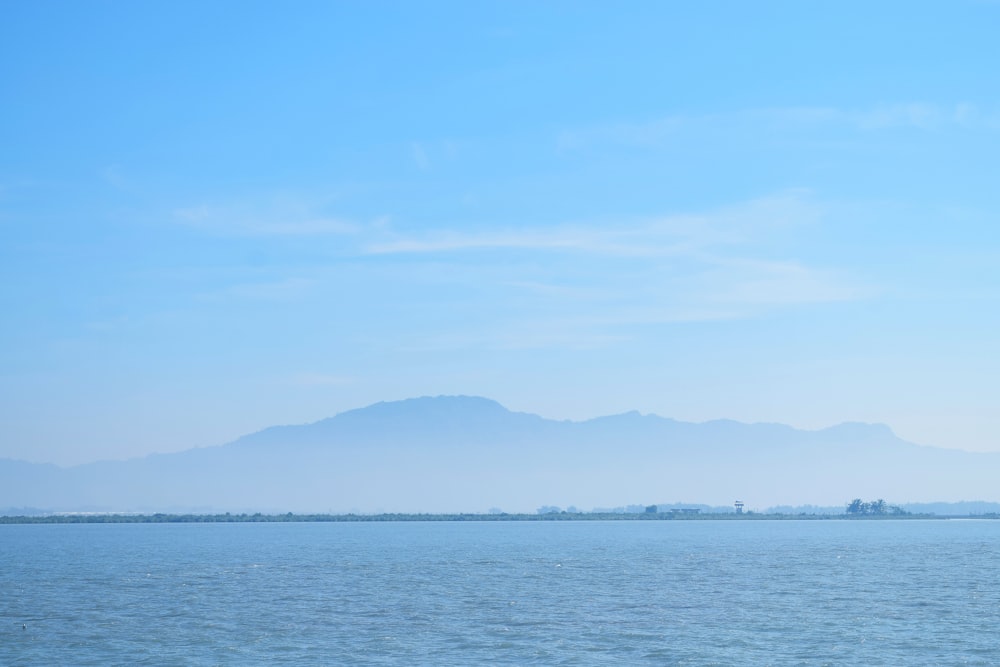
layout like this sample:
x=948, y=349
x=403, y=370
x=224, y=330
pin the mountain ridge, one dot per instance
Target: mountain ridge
x=372, y=412
x=468, y=453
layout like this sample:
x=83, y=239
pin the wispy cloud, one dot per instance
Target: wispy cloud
x=561, y=291
x=286, y=289
x=657, y=132
x=108, y=324
x=114, y=175
x=568, y=333
x=648, y=133
x=314, y=379
x=595, y=285
x=913, y=115
x=573, y=317
x=576, y=286
x=275, y=216
x=419, y=156
x=683, y=234
x=452, y=241
x=751, y=283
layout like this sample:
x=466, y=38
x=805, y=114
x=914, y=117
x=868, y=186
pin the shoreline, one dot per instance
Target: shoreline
x=291, y=517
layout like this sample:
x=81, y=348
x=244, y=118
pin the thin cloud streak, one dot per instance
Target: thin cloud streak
x=289, y=289
x=276, y=216
x=312, y=379
x=658, y=132
x=663, y=237
x=914, y=115
x=776, y=283
x=419, y=156
x=222, y=222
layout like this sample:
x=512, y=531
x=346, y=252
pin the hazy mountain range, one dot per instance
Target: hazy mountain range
x=449, y=454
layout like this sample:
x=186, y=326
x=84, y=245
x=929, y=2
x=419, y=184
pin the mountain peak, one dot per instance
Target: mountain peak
x=463, y=401
x=428, y=416
x=860, y=430
x=436, y=406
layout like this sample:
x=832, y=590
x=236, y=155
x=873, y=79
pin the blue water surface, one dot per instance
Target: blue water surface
x=547, y=593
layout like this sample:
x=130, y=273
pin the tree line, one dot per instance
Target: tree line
x=858, y=507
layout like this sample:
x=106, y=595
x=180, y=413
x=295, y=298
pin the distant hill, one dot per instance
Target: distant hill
x=459, y=453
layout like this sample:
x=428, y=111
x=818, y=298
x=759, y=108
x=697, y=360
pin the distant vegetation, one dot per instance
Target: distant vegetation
x=858, y=507
x=863, y=509
x=343, y=518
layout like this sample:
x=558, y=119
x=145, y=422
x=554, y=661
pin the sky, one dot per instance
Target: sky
x=218, y=217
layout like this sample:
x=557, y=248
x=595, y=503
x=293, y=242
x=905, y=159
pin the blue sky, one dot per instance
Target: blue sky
x=216, y=217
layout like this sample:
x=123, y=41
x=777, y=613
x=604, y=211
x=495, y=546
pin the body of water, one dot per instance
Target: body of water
x=559, y=593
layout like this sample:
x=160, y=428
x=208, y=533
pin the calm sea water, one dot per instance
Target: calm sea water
x=576, y=593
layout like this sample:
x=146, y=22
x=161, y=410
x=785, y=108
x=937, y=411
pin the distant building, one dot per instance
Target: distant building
x=739, y=506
